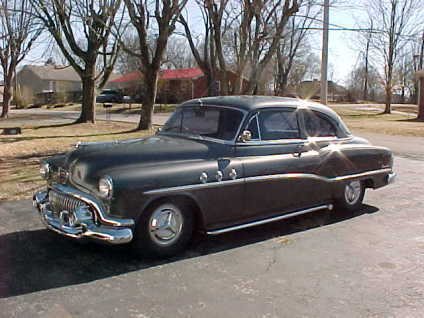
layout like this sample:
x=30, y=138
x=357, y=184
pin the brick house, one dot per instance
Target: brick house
x=174, y=86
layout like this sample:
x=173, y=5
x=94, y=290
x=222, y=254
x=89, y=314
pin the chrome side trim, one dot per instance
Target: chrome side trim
x=362, y=174
x=194, y=186
x=286, y=176
x=95, y=204
x=294, y=141
x=266, y=178
x=273, y=219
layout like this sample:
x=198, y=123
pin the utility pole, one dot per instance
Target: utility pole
x=324, y=55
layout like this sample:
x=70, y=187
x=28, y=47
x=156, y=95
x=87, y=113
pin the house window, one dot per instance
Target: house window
x=52, y=86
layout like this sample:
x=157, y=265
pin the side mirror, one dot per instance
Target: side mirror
x=245, y=136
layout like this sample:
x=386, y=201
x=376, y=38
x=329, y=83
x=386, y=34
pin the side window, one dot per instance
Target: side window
x=253, y=127
x=278, y=124
x=318, y=126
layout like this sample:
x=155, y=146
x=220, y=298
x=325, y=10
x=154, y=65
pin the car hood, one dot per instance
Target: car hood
x=89, y=162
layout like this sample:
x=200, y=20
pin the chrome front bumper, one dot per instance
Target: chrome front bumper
x=116, y=231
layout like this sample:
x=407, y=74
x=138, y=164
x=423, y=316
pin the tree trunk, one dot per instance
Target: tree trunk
x=388, y=108
x=210, y=80
x=151, y=78
x=421, y=99
x=7, y=97
x=283, y=84
x=88, y=110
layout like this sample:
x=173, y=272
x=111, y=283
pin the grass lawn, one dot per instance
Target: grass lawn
x=376, y=122
x=20, y=154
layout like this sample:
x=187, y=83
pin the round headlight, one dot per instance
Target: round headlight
x=105, y=187
x=44, y=170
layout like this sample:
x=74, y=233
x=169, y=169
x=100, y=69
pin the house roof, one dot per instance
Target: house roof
x=59, y=73
x=182, y=73
x=53, y=73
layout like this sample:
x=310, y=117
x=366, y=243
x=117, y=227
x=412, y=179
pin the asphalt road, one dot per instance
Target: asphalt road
x=327, y=264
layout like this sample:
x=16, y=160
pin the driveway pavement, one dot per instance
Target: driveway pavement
x=327, y=264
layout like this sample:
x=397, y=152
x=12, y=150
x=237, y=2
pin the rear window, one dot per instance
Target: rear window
x=318, y=126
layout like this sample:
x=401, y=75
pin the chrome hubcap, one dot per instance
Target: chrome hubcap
x=165, y=224
x=353, y=192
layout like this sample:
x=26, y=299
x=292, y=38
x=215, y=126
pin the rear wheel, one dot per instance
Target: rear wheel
x=352, y=196
x=164, y=229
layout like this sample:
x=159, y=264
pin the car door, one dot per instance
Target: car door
x=279, y=165
x=322, y=134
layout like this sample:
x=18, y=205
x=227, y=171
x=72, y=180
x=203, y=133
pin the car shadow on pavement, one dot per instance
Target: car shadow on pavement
x=32, y=261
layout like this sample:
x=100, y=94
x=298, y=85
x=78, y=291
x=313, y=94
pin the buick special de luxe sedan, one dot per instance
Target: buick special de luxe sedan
x=219, y=164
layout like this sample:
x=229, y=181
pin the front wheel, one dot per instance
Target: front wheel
x=352, y=196
x=164, y=229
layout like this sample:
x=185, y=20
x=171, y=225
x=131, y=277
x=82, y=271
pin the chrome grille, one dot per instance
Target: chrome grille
x=61, y=202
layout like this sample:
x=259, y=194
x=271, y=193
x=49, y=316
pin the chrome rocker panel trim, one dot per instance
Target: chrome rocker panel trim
x=87, y=230
x=269, y=220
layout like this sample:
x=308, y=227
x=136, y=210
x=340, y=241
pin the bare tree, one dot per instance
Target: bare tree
x=365, y=41
x=394, y=20
x=146, y=15
x=18, y=33
x=293, y=46
x=270, y=20
x=82, y=29
x=361, y=74
x=243, y=37
x=177, y=54
x=203, y=48
x=417, y=59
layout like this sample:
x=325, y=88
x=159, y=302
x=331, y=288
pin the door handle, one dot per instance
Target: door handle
x=298, y=151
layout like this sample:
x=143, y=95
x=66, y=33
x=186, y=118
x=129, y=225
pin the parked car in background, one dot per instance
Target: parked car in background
x=219, y=164
x=109, y=96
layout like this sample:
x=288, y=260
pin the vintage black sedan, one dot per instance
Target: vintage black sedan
x=219, y=164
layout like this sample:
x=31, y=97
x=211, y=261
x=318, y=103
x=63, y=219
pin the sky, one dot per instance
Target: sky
x=342, y=56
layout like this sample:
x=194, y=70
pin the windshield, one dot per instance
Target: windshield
x=206, y=121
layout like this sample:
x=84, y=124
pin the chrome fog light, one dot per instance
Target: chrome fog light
x=105, y=187
x=45, y=170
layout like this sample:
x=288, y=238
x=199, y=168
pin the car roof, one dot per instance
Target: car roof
x=252, y=103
